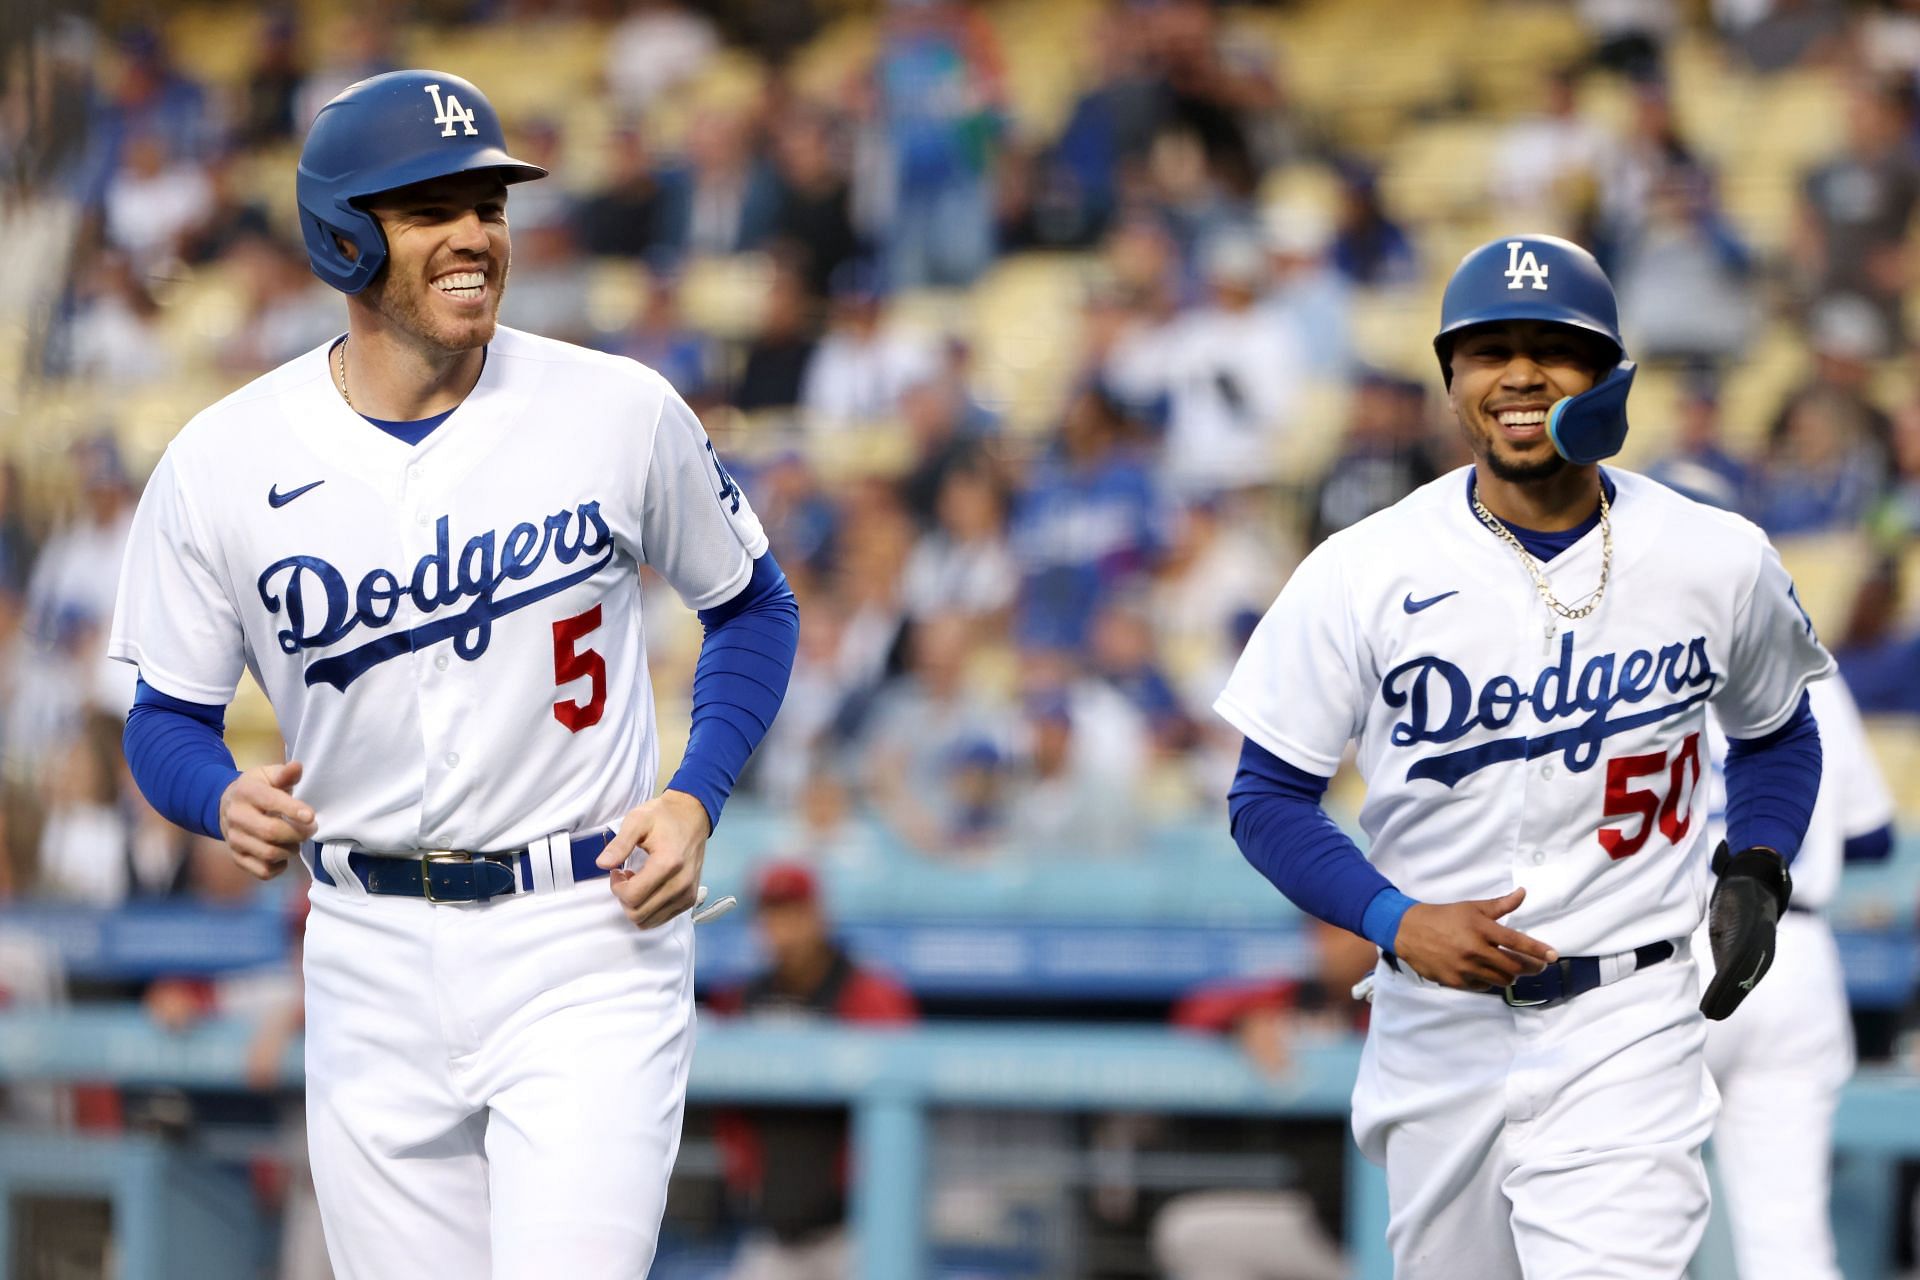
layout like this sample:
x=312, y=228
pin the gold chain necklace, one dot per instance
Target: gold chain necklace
x=1506, y=535
x=341, y=360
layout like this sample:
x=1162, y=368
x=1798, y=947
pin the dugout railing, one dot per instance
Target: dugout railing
x=890, y=1079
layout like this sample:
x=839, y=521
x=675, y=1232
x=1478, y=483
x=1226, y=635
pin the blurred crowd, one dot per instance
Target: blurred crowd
x=1015, y=616
x=1017, y=604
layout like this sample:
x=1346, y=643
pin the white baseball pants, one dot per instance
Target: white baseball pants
x=494, y=1091
x=1780, y=1062
x=1558, y=1143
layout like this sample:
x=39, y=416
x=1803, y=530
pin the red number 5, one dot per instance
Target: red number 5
x=1683, y=775
x=569, y=664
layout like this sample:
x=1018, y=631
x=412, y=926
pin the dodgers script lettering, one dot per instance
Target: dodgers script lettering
x=321, y=610
x=1443, y=706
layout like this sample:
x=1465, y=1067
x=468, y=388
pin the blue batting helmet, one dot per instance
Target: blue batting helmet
x=386, y=132
x=1532, y=277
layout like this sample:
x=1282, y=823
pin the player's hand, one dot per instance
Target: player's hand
x=1463, y=944
x=1752, y=891
x=262, y=822
x=672, y=829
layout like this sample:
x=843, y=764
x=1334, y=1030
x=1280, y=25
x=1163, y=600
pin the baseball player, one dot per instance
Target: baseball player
x=1524, y=651
x=1781, y=1064
x=422, y=539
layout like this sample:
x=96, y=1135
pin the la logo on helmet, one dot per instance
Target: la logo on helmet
x=1520, y=266
x=450, y=113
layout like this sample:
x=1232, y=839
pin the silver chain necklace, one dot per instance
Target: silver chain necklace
x=341, y=351
x=1552, y=601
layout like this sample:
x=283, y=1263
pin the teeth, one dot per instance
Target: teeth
x=1522, y=417
x=464, y=284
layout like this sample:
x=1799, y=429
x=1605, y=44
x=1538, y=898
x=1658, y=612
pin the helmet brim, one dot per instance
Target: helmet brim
x=490, y=160
x=1444, y=340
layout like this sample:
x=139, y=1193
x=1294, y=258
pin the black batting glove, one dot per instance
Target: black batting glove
x=1747, y=901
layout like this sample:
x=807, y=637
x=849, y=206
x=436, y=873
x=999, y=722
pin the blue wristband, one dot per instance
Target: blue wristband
x=1381, y=924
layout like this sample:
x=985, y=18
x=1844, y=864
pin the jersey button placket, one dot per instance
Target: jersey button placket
x=429, y=694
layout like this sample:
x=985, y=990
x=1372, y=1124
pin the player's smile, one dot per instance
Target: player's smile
x=466, y=286
x=1521, y=422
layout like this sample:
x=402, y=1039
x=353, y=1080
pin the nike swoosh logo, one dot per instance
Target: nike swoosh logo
x=1414, y=606
x=277, y=499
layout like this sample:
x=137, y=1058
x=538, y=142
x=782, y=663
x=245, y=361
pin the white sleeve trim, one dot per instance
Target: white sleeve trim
x=166, y=682
x=1269, y=737
x=1785, y=713
x=735, y=585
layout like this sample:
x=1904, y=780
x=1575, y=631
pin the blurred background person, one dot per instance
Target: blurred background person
x=1854, y=237
x=938, y=75
x=787, y=1167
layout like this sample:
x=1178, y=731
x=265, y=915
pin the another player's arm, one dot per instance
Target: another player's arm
x=1279, y=825
x=181, y=764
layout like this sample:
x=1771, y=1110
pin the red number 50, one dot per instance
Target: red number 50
x=1683, y=775
x=569, y=664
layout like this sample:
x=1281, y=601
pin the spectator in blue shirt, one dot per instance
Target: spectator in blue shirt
x=1370, y=248
x=1700, y=462
x=1091, y=520
x=939, y=86
x=146, y=95
x=1821, y=472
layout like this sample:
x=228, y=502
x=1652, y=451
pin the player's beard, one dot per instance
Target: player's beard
x=1524, y=470
x=410, y=308
x=1537, y=463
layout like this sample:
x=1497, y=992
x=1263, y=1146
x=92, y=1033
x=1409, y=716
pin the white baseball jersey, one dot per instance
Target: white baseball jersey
x=449, y=632
x=1503, y=745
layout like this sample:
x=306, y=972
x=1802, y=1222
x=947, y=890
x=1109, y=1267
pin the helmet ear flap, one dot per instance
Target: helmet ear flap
x=1592, y=426
x=358, y=228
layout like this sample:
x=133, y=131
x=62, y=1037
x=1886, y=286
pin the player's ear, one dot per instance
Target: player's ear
x=347, y=247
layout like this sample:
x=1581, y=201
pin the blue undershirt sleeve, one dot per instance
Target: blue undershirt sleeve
x=178, y=757
x=1869, y=846
x=1280, y=827
x=738, y=683
x=1772, y=783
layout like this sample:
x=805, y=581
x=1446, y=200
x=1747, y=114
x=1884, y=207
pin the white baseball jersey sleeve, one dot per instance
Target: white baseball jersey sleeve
x=449, y=632
x=1504, y=745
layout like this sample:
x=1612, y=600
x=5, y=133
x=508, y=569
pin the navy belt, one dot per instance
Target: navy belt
x=1569, y=977
x=447, y=876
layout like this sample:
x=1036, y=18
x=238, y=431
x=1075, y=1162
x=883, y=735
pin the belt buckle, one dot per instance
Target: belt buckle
x=1519, y=1002
x=432, y=856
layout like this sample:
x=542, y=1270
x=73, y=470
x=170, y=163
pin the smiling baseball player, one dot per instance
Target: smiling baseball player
x=1524, y=651
x=423, y=539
